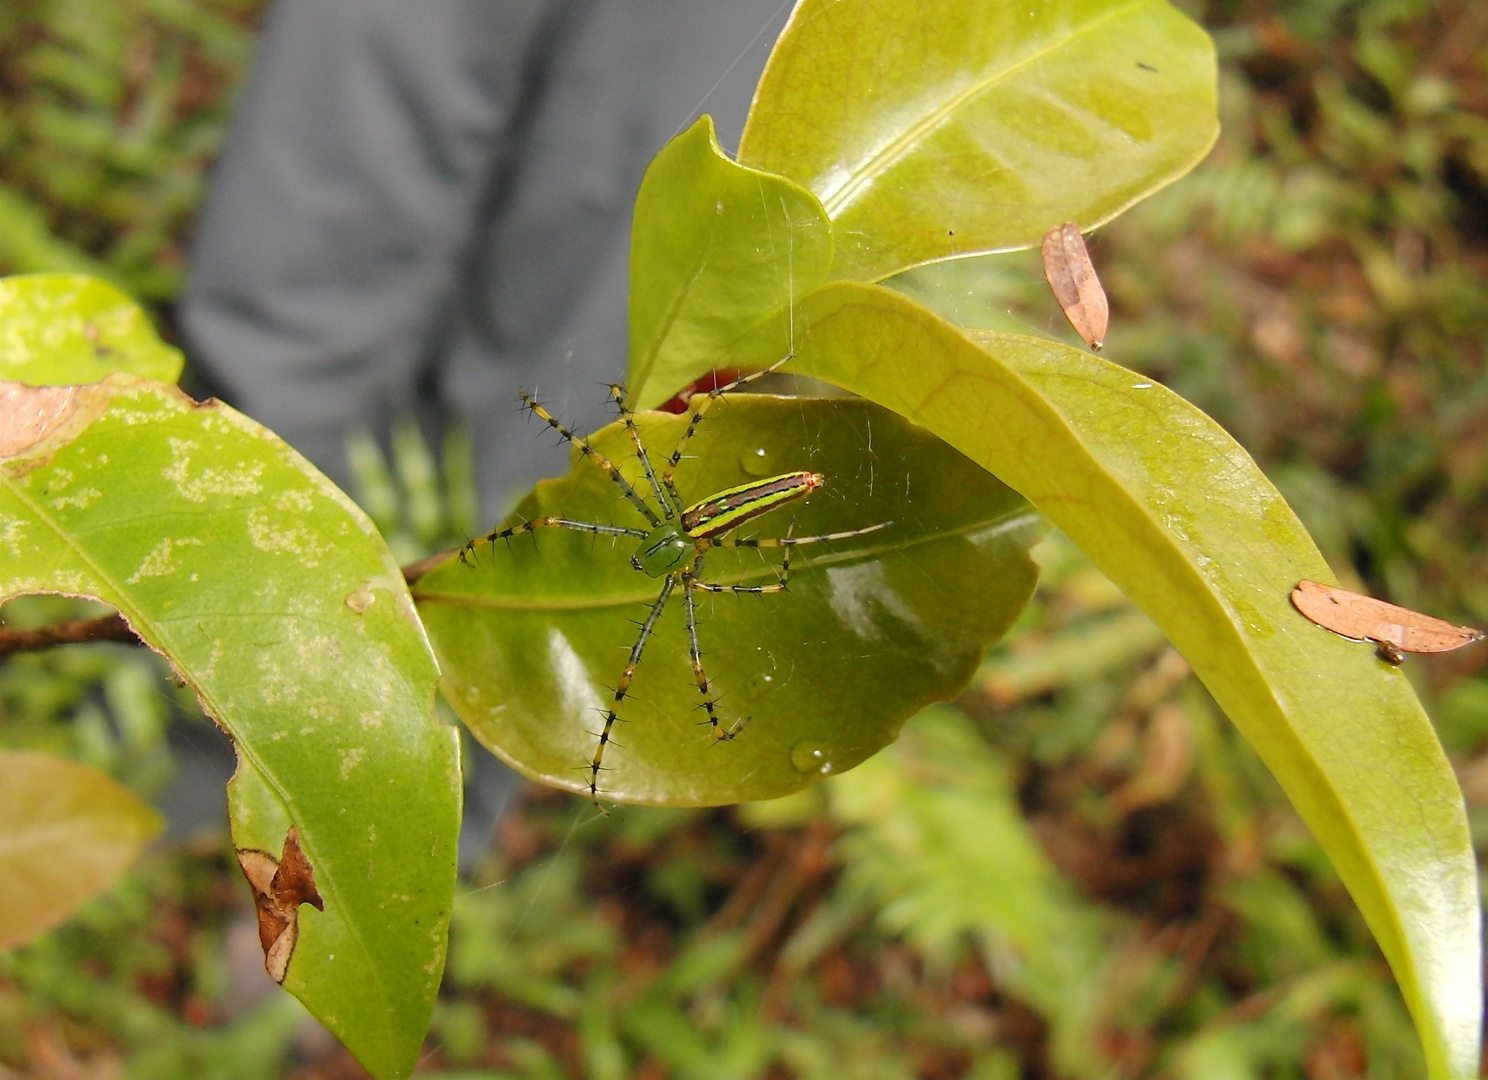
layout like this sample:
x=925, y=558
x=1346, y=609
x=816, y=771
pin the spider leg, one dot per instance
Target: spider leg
x=710, y=702
x=697, y=406
x=795, y=541
x=467, y=553
x=753, y=590
x=594, y=456
x=618, y=393
x=612, y=714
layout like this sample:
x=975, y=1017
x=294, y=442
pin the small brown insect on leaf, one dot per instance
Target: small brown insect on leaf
x=1394, y=630
x=1072, y=277
x=280, y=886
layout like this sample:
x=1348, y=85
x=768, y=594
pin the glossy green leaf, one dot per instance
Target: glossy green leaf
x=717, y=251
x=274, y=598
x=66, y=831
x=1178, y=516
x=930, y=131
x=532, y=637
x=60, y=329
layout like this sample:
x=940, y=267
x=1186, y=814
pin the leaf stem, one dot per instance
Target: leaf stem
x=107, y=628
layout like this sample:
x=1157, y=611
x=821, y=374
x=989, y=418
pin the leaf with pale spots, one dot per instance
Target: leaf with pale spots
x=532, y=636
x=228, y=553
x=62, y=329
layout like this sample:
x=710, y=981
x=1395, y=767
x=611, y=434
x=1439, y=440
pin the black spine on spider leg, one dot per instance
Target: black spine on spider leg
x=595, y=530
x=659, y=490
x=698, y=406
x=599, y=459
x=616, y=697
x=622, y=688
x=700, y=677
x=609, y=740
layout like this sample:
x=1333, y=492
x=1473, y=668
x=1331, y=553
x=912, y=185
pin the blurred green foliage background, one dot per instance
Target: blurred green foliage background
x=1076, y=870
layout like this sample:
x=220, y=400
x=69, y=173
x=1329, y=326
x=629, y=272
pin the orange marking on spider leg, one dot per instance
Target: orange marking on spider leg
x=709, y=702
x=612, y=715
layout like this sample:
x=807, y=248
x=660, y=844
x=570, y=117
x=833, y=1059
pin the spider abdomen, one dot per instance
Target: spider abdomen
x=718, y=514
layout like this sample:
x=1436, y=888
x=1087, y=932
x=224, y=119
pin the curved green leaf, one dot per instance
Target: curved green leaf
x=66, y=831
x=717, y=250
x=1178, y=516
x=273, y=596
x=61, y=329
x=531, y=638
x=930, y=131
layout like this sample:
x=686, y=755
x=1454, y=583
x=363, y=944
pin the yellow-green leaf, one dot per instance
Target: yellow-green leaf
x=717, y=251
x=66, y=831
x=1177, y=515
x=272, y=595
x=61, y=329
x=932, y=130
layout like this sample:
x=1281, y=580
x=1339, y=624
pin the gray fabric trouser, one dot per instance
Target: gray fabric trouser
x=425, y=204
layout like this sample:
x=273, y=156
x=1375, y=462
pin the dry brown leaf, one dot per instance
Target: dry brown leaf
x=1395, y=630
x=280, y=886
x=1072, y=276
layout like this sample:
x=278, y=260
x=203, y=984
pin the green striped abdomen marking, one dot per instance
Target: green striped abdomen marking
x=729, y=509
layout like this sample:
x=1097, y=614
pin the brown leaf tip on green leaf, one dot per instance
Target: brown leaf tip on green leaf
x=1072, y=277
x=38, y=420
x=280, y=886
x=28, y=414
x=1395, y=630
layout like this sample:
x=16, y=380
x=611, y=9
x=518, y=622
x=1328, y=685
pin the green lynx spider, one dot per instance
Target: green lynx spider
x=675, y=544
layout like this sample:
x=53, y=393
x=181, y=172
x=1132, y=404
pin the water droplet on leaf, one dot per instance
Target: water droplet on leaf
x=808, y=756
x=756, y=462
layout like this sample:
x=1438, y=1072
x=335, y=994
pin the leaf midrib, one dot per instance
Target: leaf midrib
x=880, y=161
x=609, y=600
